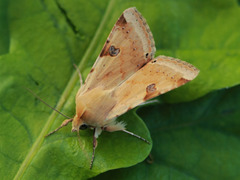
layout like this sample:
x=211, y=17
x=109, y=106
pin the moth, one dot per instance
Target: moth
x=125, y=75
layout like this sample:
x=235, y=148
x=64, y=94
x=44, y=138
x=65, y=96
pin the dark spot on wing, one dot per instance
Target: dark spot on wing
x=113, y=51
x=151, y=88
x=92, y=70
x=121, y=21
x=142, y=65
x=104, y=51
x=182, y=81
x=129, y=108
x=150, y=91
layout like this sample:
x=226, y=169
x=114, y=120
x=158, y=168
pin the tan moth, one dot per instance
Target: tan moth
x=125, y=75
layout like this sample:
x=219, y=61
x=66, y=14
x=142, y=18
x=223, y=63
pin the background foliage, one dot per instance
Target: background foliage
x=198, y=139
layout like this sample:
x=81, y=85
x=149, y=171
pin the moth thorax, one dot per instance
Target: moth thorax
x=80, y=107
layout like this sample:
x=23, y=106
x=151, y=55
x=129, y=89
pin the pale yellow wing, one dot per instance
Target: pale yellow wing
x=129, y=46
x=158, y=76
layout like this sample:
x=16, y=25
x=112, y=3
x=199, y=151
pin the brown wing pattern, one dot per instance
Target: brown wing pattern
x=129, y=46
x=159, y=76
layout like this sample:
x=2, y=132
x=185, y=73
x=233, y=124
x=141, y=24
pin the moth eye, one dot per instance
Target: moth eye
x=83, y=127
x=113, y=51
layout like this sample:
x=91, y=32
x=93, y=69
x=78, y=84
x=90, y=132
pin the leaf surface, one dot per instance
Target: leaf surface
x=41, y=40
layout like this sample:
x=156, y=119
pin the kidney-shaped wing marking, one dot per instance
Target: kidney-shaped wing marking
x=129, y=46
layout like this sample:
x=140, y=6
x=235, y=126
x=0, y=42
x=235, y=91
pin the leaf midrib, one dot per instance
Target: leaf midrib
x=66, y=93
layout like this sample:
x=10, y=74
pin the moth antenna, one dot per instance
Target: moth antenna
x=78, y=137
x=94, y=147
x=46, y=103
x=64, y=123
x=79, y=74
x=135, y=135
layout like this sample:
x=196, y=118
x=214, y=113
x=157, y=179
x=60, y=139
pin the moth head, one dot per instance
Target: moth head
x=77, y=123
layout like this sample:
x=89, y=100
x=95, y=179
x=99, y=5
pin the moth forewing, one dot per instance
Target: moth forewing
x=129, y=46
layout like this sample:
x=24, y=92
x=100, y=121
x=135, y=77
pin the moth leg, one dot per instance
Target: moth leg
x=150, y=159
x=94, y=147
x=135, y=135
x=64, y=123
x=120, y=126
x=79, y=74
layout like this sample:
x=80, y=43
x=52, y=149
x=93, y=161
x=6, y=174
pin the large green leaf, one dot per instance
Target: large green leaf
x=4, y=40
x=40, y=40
x=194, y=140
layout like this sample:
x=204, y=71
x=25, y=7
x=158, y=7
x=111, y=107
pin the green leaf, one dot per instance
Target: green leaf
x=44, y=47
x=194, y=140
x=41, y=40
x=4, y=40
